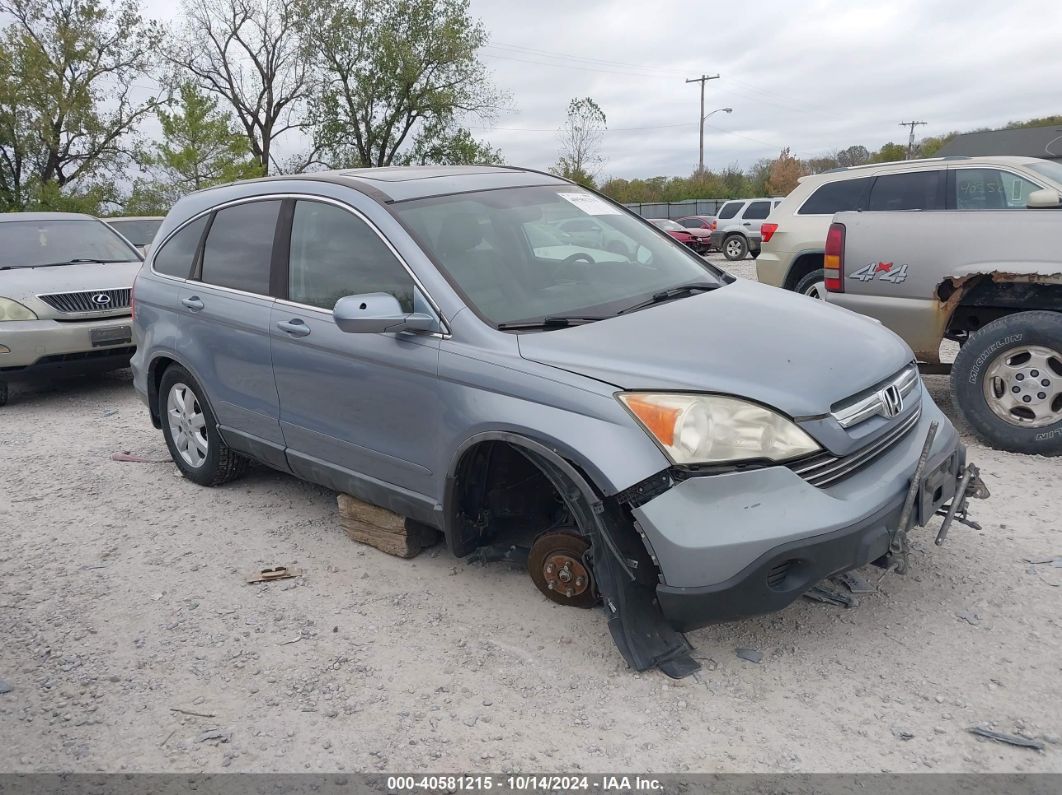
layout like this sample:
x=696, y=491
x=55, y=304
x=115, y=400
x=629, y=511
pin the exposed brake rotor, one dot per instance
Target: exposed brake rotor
x=558, y=568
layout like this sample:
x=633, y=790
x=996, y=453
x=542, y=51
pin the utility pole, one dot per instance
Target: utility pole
x=702, y=80
x=910, y=138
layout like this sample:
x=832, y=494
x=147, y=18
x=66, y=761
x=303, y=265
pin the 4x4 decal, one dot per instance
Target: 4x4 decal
x=883, y=271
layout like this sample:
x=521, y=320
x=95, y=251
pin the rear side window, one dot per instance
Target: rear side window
x=837, y=197
x=691, y=223
x=917, y=190
x=729, y=210
x=758, y=210
x=177, y=256
x=334, y=254
x=239, y=246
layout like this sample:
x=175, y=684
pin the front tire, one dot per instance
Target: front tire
x=735, y=247
x=191, y=431
x=813, y=285
x=1007, y=383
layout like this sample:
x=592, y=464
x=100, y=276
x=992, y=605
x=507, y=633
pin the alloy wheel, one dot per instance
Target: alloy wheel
x=187, y=425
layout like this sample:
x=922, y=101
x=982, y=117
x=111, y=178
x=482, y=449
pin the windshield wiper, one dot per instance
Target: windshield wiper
x=548, y=322
x=670, y=294
x=77, y=261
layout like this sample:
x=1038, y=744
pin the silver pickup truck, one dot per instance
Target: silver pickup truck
x=991, y=281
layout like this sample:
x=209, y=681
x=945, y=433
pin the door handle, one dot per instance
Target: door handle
x=195, y=303
x=295, y=328
x=747, y=223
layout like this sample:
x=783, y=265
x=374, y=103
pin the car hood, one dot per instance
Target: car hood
x=698, y=232
x=24, y=284
x=785, y=350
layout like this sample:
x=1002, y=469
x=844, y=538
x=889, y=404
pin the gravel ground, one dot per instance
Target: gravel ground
x=131, y=641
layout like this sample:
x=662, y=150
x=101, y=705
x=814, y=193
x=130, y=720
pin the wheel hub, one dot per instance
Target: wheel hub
x=1023, y=386
x=557, y=565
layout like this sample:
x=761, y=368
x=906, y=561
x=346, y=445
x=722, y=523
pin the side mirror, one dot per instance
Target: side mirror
x=1044, y=199
x=378, y=313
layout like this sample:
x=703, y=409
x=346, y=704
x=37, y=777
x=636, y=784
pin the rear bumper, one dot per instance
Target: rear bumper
x=741, y=544
x=772, y=267
x=46, y=347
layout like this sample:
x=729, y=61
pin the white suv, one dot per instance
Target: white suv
x=736, y=227
x=795, y=233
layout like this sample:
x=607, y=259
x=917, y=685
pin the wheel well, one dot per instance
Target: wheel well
x=801, y=267
x=156, y=370
x=988, y=298
x=500, y=495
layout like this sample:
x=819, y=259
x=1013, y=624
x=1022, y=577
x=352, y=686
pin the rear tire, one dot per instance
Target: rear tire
x=813, y=285
x=3, y=393
x=191, y=431
x=999, y=376
x=735, y=247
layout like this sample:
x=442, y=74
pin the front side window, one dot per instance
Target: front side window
x=729, y=210
x=28, y=244
x=844, y=195
x=991, y=189
x=757, y=211
x=176, y=256
x=916, y=190
x=335, y=254
x=239, y=246
x=603, y=259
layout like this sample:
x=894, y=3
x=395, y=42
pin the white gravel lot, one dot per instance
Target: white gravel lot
x=122, y=601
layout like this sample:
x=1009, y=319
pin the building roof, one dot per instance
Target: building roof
x=1045, y=142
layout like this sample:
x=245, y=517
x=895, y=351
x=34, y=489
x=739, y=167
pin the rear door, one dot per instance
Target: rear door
x=225, y=326
x=359, y=411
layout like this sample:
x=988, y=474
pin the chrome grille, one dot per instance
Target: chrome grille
x=825, y=468
x=88, y=301
x=854, y=411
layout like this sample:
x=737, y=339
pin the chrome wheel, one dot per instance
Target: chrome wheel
x=187, y=425
x=816, y=290
x=1023, y=386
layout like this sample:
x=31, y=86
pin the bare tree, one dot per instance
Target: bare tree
x=248, y=52
x=579, y=138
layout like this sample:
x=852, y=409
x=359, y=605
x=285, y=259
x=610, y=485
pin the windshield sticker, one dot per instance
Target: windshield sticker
x=883, y=271
x=590, y=204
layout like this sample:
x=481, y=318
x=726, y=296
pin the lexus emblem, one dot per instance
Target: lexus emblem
x=101, y=299
x=891, y=401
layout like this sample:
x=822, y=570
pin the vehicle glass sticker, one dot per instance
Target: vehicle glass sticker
x=590, y=204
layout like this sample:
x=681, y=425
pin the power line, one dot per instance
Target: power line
x=910, y=138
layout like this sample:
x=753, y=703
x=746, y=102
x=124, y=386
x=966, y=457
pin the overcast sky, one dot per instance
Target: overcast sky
x=816, y=76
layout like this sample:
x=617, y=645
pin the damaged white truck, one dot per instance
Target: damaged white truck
x=989, y=280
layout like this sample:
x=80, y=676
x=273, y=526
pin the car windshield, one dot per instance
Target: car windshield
x=138, y=231
x=1049, y=169
x=29, y=244
x=669, y=226
x=522, y=254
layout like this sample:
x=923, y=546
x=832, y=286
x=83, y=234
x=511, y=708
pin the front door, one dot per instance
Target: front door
x=359, y=411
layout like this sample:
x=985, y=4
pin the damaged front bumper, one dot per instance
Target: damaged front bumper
x=746, y=543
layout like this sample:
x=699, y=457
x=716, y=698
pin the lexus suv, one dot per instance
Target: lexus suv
x=65, y=282
x=395, y=334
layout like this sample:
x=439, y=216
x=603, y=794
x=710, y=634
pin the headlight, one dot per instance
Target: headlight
x=711, y=429
x=13, y=310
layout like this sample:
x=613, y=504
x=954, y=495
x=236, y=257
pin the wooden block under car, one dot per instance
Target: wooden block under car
x=382, y=529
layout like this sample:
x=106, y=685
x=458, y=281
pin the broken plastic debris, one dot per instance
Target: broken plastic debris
x=125, y=455
x=751, y=655
x=271, y=573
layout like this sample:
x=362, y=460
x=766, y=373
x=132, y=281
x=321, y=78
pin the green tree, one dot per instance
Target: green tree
x=889, y=153
x=451, y=148
x=392, y=74
x=68, y=106
x=580, y=138
x=199, y=148
x=853, y=156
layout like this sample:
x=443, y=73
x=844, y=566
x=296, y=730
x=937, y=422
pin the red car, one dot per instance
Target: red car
x=696, y=239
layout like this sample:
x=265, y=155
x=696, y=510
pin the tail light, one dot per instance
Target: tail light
x=767, y=231
x=712, y=226
x=132, y=299
x=833, y=259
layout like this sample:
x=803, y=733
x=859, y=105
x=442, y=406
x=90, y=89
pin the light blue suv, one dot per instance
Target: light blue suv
x=647, y=432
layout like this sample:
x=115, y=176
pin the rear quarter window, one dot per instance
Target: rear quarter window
x=843, y=195
x=729, y=210
x=239, y=246
x=757, y=211
x=177, y=256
